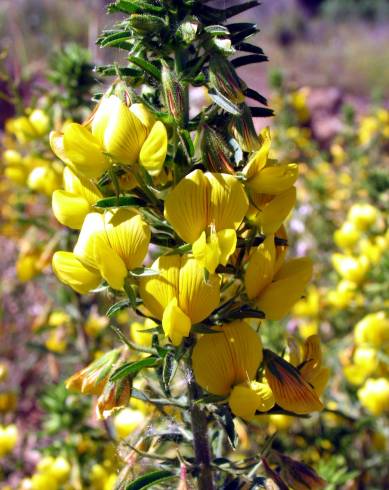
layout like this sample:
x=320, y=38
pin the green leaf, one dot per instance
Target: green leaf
x=120, y=305
x=112, y=70
x=132, y=368
x=217, y=30
x=117, y=202
x=249, y=48
x=201, y=328
x=246, y=33
x=131, y=7
x=150, y=479
x=223, y=102
x=118, y=39
x=146, y=66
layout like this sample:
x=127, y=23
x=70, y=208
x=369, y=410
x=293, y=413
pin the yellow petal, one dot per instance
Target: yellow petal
x=186, y=206
x=227, y=244
x=277, y=210
x=197, y=297
x=153, y=153
x=81, y=186
x=288, y=286
x=128, y=235
x=228, y=202
x=84, y=152
x=121, y=131
x=207, y=252
x=260, y=157
x=175, y=323
x=57, y=145
x=144, y=115
x=226, y=358
x=111, y=265
x=274, y=179
x=157, y=291
x=92, y=226
x=260, y=269
x=74, y=273
x=69, y=209
x=246, y=399
x=291, y=391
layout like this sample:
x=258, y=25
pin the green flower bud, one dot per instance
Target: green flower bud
x=174, y=95
x=146, y=23
x=223, y=77
x=187, y=30
x=242, y=128
x=215, y=151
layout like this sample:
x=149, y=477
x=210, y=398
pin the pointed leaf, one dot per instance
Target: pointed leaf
x=146, y=66
x=249, y=59
x=149, y=480
x=120, y=305
x=261, y=112
x=117, y=202
x=132, y=368
x=253, y=94
x=223, y=102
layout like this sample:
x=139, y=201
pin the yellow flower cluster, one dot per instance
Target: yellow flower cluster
x=8, y=439
x=361, y=251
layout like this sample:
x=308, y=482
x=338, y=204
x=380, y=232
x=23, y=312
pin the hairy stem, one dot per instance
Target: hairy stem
x=201, y=445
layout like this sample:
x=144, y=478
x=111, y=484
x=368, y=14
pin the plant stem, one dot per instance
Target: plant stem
x=200, y=438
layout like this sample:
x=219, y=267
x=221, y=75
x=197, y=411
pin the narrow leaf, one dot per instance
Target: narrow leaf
x=261, y=112
x=132, y=368
x=249, y=48
x=120, y=305
x=117, y=202
x=249, y=59
x=253, y=94
x=146, y=66
x=150, y=479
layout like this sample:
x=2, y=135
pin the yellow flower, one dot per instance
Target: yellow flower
x=275, y=292
x=25, y=128
x=347, y=236
x=366, y=360
x=271, y=212
x=225, y=363
x=372, y=330
x=265, y=175
x=351, y=268
x=8, y=439
x=118, y=133
x=310, y=305
x=139, y=332
x=71, y=205
x=95, y=323
x=179, y=295
x=363, y=215
x=45, y=178
x=374, y=396
x=126, y=421
x=206, y=209
x=108, y=246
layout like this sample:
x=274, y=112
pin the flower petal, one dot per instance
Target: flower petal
x=186, y=206
x=277, y=210
x=153, y=153
x=84, y=152
x=81, y=186
x=274, y=179
x=74, y=273
x=260, y=269
x=69, y=209
x=175, y=323
x=291, y=391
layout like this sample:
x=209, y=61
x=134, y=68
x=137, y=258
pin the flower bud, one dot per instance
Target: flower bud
x=300, y=476
x=223, y=77
x=242, y=128
x=215, y=151
x=92, y=379
x=146, y=23
x=115, y=395
x=174, y=95
x=188, y=29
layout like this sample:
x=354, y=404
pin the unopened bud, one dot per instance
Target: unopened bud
x=115, y=395
x=223, y=77
x=215, y=151
x=174, y=95
x=242, y=128
x=92, y=379
x=188, y=29
x=146, y=23
x=300, y=476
